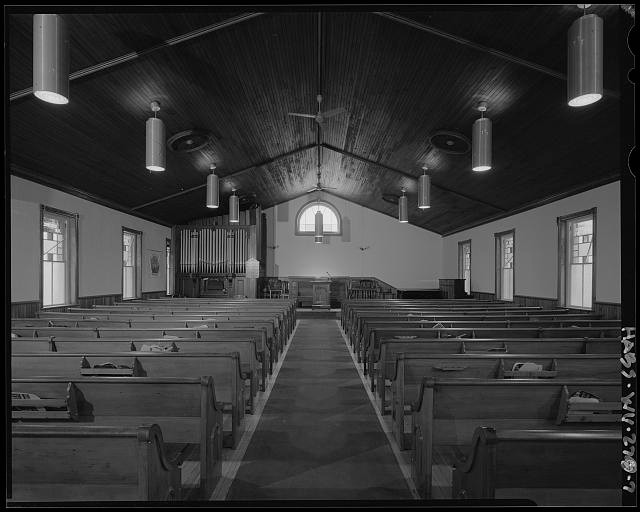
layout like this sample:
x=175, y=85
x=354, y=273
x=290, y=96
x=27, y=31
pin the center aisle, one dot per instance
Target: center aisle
x=319, y=436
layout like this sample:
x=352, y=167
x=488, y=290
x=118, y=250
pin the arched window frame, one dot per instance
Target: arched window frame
x=326, y=204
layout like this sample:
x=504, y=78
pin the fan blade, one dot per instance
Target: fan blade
x=333, y=112
x=302, y=115
x=332, y=188
x=312, y=190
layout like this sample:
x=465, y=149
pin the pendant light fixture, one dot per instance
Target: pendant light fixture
x=319, y=233
x=424, y=190
x=584, y=59
x=403, y=215
x=481, y=144
x=234, y=208
x=50, y=59
x=155, y=141
x=213, y=200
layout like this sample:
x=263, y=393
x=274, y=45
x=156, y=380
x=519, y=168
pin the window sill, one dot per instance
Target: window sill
x=60, y=306
x=313, y=233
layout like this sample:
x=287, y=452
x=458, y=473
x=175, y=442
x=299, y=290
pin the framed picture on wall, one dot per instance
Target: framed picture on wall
x=153, y=262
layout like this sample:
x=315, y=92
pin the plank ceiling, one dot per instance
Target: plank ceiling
x=399, y=84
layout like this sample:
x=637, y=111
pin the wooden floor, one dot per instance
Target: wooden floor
x=319, y=437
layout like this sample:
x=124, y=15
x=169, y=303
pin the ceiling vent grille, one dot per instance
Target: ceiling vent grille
x=450, y=142
x=189, y=140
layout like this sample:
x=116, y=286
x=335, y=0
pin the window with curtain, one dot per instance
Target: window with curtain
x=576, y=259
x=306, y=219
x=464, y=264
x=131, y=264
x=59, y=235
x=505, y=252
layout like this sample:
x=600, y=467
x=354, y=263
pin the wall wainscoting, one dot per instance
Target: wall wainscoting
x=154, y=295
x=98, y=300
x=528, y=301
x=27, y=309
x=483, y=295
x=608, y=310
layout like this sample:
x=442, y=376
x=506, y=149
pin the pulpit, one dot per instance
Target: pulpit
x=321, y=289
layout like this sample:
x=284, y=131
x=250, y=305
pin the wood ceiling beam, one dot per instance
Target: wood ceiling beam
x=48, y=181
x=134, y=55
x=368, y=207
x=477, y=46
x=411, y=176
x=234, y=173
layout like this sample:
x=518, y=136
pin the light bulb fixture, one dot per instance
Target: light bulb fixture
x=403, y=215
x=234, y=208
x=213, y=200
x=424, y=190
x=50, y=59
x=481, y=144
x=155, y=141
x=319, y=233
x=584, y=59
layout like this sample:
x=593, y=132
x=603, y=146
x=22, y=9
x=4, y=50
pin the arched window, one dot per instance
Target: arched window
x=306, y=219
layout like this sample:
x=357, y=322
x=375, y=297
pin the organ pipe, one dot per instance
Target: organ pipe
x=216, y=249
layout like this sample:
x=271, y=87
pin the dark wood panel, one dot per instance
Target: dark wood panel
x=94, y=39
x=26, y=309
x=608, y=310
x=483, y=295
x=398, y=84
x=527, y=301
x=99, y=300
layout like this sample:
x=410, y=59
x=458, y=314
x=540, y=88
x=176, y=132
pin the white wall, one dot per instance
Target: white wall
x=401, y=255
x=99, y=236
x=536, y=246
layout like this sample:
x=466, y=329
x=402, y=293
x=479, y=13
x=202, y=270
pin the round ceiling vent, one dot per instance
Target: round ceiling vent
x=390, y=198
x=246, y=199
x=189, y=140
x=450, y=142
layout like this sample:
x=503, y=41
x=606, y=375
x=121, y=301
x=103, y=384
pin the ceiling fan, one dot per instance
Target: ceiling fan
x=319, y=187
x=320, y=117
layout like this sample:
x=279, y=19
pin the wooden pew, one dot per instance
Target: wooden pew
x=46, y=332
x=266, y=352
x=469, y=308
x=30, y=345
x=350, y=306
x=411, y=369
x=362, y=317
x=382, y=362
x=447, y=412
x=185, y=409
x=580, y=467
x=271, y=318
x=246, y=348
x=372, y=343
x=224, y=368
x=91, y=463
x=133, y=333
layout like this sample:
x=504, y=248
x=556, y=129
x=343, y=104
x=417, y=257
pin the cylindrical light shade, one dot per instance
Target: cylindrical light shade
x=319, y=227
x=155, y=144
x=481, y=151
x=403, y=215
x=213, y=200
x=50, y=59
x=424, y=191
x=234, y=209
x=584, y=61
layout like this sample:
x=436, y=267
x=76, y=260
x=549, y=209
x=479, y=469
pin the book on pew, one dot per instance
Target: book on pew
x=29, y=406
